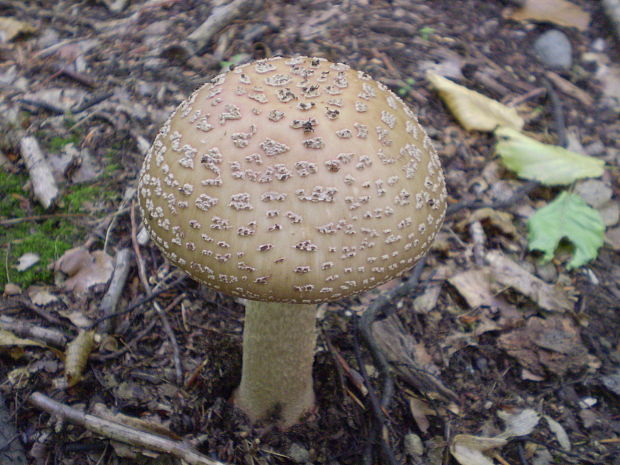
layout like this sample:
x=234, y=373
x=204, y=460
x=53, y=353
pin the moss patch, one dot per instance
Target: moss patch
x=49, y=238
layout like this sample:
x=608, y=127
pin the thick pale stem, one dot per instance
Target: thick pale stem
x=278, y=350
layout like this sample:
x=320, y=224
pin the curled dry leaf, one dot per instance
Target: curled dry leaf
x=470, y=450
x=508, y=273
x=551, y=344
x=560, y=433
x=519, y=424
x=474, y=450
x=85, y=269
x=77, y=354
x=474, y=111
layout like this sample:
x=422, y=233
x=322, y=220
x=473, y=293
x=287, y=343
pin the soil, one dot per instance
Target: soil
x=134, y=68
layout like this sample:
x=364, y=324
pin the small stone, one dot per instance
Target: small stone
x=610, y=212
x=11, y=289
x=547, y=272
x=298, y=453
x=554, y=49
x=413, y=445
x=594, y=192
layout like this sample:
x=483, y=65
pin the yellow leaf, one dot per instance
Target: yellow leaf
x=11, y=28
x=474, y=111
x=559, y=12
x=77, y=354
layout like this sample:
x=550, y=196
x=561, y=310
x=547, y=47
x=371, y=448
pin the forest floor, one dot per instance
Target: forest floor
x=484, y=336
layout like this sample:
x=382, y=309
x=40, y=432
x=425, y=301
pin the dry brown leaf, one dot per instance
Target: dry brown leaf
x=470, y=450
x=85, y=269
x=508, y=273
x=419, y=410
x=474, y=111
x=560, y=433
x=501, y=220
x=410, y=358
x=553, y=344
x=77, y=354
x=559, y=12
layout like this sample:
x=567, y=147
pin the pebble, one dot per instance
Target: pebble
x=596, y=193
x=547, y=272
x=554, y=49
x=413, y=445
x=298, y=453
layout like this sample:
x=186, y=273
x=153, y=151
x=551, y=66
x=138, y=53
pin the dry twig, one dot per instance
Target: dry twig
x=176, y=352
x=120, y=432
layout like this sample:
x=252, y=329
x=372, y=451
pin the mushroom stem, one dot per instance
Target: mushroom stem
x=278, y=350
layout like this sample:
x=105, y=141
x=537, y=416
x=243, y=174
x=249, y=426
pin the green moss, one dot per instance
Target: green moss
x=49, y=238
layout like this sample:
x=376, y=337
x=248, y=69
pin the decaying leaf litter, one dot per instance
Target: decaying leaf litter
x=484, y=335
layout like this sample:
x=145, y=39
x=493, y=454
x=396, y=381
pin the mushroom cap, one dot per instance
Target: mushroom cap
x=292, y=180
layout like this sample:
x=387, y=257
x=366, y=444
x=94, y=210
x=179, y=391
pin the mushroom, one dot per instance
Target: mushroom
x=290, y=182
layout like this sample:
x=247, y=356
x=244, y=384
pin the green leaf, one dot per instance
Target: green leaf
x=570, y=217
x=550, y=164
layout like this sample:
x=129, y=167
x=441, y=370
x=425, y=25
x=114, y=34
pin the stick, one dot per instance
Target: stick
x=43, y=183
x=119, y=432
x=119, y=278
x=176, y=352
x=26, y=329
x=219, y=18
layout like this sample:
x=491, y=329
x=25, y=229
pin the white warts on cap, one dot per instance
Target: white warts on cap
x=294, y=180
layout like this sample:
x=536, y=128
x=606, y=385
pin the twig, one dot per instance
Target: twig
x=375, y=405
x=13, y=221
x=43, y=183
x=176, y=352
x=139, y=303
x=499, y=205
x=122, y=263
x=219, y=18
x=26, y=329
x=558, y=113
x=120, y=432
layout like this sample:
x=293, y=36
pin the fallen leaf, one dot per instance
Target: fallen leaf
x=11, y=28
x=85, y=269
x=474, y=111
x=410, y=358
x=551, y=344
x=508, y=273
x=568, y=216
x=612, y=382
x=419, y=410
x=40, y=296
x=503, y=221
x=519, y=424
x=470, y=450
x=8, y=339
x=549, y=164
x=560, y=12
x=560, y=433
x=77, y=353
x=27, y=260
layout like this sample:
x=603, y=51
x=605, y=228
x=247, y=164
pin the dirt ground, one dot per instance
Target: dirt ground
x=462, y=352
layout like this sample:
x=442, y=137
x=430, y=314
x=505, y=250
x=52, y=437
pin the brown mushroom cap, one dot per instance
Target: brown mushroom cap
x=292, y=180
